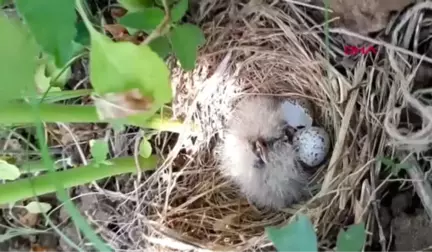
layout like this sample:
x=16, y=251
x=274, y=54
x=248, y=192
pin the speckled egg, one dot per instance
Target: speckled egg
x=312, y=145
x=298, y=112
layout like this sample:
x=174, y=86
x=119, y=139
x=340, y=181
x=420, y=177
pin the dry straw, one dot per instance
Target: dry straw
x=266, y=50
x=270, y=49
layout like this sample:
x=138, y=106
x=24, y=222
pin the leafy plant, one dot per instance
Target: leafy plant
x=182, y=39
x=135, y=5
x=145, y=148
x=299, y=235
x=99, y=150
x=52, y=23
x=35, y=64
x=352, y=239
x=393, y=166
x=17, y=65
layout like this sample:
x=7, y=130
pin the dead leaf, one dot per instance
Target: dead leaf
x=38, y=207
x=39, y=248
x=120, y=105
x=28, y=219
x=118, y=12
x=120, y=33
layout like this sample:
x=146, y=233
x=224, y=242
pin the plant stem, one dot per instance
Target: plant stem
x=39, y=166
x=57, y=96
x=21, y=113
x=162, y=27
x=36, y=186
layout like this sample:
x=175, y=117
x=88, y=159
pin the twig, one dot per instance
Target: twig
x=160, y=30
x=382, y=238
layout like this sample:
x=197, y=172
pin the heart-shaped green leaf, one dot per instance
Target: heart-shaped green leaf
x=179, y=10
x=298, y=235
x=147, y=19
x=351, y=240
x=135, y=5
x=185, y=40
x=161, y=46
x=99, y=150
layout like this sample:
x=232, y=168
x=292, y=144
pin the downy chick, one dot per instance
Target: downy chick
x=258, y=156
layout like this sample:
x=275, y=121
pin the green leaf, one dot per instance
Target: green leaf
x=99, y=150
x=135, y=5
x=396, y=168
x=351, y=240
x=49, y=75
x=185, y=40
x=61, y=74
x=52, y=24
x=77, y=48
x=386, y=161
x=404, y=166
x=119, y=125
x=18, y=60
x=145, y=148
x=43, y=82
x=298, y=235
x=161, y=46
x=128, y=66
x=179, y=10
x=35, y=207
x=147, y=19
x=8, y=171
x=83, y=35
x=4, y=2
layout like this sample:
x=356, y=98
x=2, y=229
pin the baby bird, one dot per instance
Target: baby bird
x=258, y=156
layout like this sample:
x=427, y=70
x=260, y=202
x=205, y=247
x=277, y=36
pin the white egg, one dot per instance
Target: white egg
x=312, y=145
x=298, y=112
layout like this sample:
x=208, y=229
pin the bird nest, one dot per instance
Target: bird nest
x=254, y=49
x=265, y=49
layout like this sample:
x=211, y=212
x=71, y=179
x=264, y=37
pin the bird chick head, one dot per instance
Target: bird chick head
x=257, y=153
x=259, y=128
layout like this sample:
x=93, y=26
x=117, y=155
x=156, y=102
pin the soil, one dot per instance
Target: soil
x=404, y=223
x=412, y=233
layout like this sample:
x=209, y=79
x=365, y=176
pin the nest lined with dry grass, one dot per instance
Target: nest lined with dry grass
x=267, y=50
x=270, y=49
